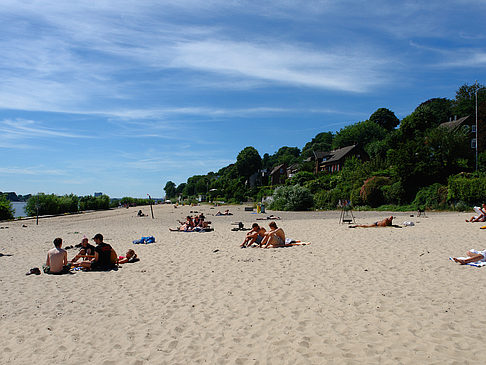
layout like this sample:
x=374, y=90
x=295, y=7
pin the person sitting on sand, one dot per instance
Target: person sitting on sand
x=140, y=213
x=56, y=262
x=129, y=257
x=86, y=252
x=104, y=258
x=186, y=226
x=387, y=222
x=481, y=217
x=472, y=256
x=255, y=235
x=275, y=237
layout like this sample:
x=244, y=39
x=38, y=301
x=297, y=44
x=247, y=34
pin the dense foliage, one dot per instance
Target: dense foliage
x=44, y=204
x=291, y=198
x=414, y=162
x=6, y=210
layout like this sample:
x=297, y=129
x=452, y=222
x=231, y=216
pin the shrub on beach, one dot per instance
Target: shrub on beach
x=292, y=198
x=6, y=210
x=432, y=197
x=90, y=202
x=371, y=192
x=470, y=190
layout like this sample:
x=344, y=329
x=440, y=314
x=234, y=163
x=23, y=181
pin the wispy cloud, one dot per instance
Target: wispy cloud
x=17, y=133
x=33, y=170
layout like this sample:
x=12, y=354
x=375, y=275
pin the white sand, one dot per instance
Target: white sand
x=354, y=296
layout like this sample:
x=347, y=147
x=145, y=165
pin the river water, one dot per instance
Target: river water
x=19, y=209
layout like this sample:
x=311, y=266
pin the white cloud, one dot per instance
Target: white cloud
x=20, y=130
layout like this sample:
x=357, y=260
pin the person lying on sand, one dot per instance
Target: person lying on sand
x=226, y=212
x=481, y=217
x=275, y=237
x=472, y=256
x=271, y=217
x=387, y=222
x=56, y=262
x=129, y=257
x=255, y=235
x=86, y=251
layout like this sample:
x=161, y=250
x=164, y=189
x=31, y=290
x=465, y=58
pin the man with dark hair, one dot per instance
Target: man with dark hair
x=275, y=237
x=255, y=235
x=56, y=262
x=104, y=256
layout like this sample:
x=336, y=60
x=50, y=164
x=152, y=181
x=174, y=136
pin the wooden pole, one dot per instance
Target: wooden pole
x=37, y=210
x=150, y=202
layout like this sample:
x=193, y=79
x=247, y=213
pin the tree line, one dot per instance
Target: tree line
x=412, y=163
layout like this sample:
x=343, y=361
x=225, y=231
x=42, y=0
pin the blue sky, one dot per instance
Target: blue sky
x=122, y=96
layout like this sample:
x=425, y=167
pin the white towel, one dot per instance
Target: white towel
x=475, y=264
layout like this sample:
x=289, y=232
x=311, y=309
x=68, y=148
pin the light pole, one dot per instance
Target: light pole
x=476, y=92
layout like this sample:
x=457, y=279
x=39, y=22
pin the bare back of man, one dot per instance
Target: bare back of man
x=387, y=222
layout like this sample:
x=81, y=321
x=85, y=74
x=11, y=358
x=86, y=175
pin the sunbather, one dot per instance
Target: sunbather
x=472, y=256
x=256, y=235
x=270, y=217
x=226, y=212
x=387, y=222
x=480, y=216
x=129, y=257
x=275, y=237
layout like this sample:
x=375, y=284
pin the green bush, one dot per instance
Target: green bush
x=292, y=198
x=47, y=204
x=470, y=190
x=394, y=193
x=300, y=178
x=6, y=210
x=371, y=192
x=89, y=202
x=432, y=197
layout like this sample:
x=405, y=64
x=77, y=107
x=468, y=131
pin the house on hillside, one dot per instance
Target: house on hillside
x=278, y=175
x=469, y=124
x=333, y=161
x=258, y=178
x=293, y=169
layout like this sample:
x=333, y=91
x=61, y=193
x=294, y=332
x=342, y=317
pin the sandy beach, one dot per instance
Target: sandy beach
x=354, y=296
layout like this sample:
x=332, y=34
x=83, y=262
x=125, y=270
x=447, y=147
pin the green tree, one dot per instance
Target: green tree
x=385, y=118
x=321, y=142
x=248, y=162
x=170, y=190
x=465, y=101
x=359, y=133
x=427, y=115
x=6, y=210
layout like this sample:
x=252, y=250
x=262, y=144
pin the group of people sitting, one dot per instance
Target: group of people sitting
x=101, y=257
x=259, y=237
x=196, y=223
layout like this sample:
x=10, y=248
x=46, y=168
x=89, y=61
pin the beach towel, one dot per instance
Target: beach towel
x=145, y=240
x=475, y=264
